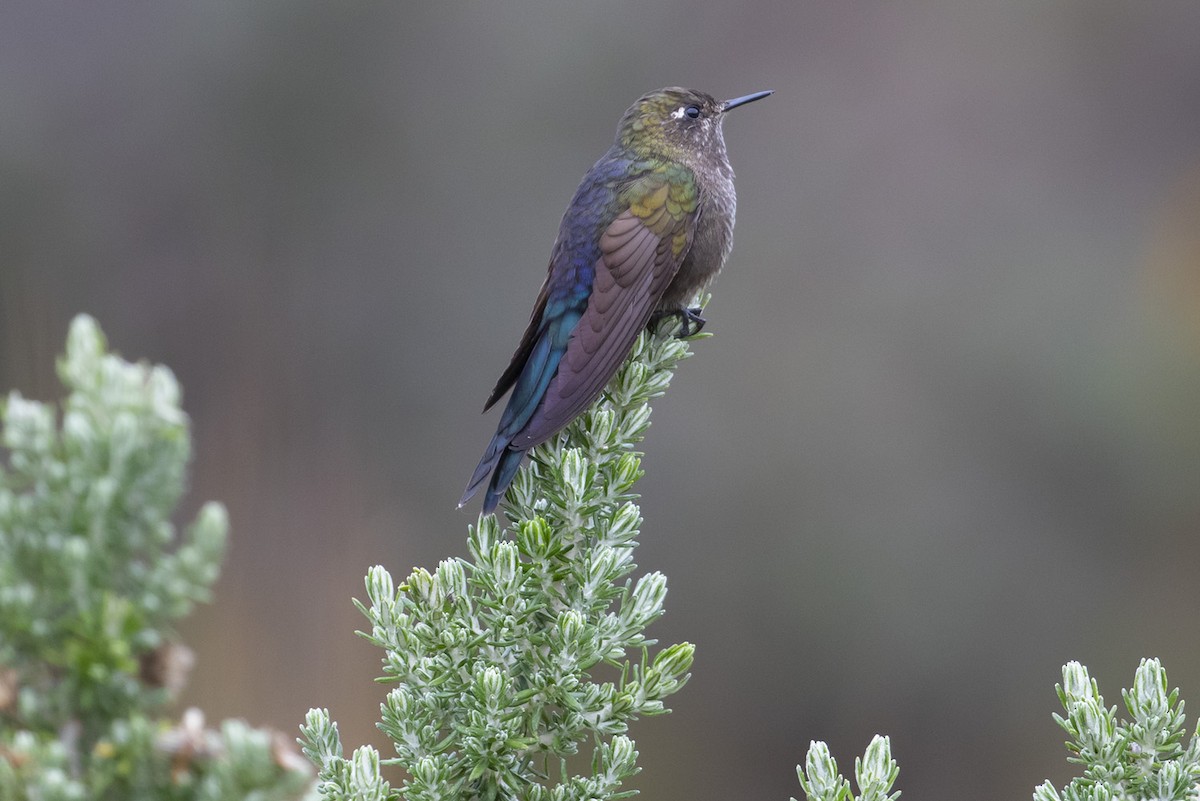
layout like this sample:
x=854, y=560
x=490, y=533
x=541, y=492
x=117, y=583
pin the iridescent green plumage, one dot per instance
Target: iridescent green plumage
x=665, y=199
x=649, y=228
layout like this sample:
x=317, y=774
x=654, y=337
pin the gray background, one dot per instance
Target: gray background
x=945, y=437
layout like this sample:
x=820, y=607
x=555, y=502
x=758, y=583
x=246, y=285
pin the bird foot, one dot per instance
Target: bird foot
x=690, y=321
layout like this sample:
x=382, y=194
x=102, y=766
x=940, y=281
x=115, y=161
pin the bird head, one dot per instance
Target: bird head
x=677, y=122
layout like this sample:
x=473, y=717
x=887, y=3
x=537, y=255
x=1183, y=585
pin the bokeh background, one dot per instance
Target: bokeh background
x=946, y=436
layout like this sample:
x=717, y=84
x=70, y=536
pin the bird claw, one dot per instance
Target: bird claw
x=690, y=321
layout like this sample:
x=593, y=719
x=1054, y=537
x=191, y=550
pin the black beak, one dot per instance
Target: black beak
x=744, y=99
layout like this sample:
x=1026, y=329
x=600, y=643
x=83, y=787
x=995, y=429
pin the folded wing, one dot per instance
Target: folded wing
x=634, y=269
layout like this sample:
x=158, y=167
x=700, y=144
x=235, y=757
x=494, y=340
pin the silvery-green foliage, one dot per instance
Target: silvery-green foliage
x=92, y=575
x=1142, y=756
x=874, y=774
x=516, y=673
x=92, y=571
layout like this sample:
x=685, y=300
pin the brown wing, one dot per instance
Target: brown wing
x=634, y=269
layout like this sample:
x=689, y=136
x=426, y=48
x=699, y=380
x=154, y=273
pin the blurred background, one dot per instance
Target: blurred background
x=945, y=438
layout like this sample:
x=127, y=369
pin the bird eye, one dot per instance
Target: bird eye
x=692, y=111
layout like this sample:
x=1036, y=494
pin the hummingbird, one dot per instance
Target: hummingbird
x=649, y=228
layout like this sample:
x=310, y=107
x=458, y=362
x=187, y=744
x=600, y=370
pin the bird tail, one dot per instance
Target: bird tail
x=504, y=461
x=510, y=460
x=491, y=456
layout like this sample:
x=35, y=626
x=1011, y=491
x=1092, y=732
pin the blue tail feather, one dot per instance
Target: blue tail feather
x=527, y=393
x=491, y=456
x=509, y=461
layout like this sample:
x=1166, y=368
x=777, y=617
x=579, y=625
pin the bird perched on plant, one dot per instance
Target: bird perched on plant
x=649, y=227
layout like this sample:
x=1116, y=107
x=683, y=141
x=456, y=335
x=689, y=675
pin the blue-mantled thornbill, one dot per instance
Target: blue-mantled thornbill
x=648, y=229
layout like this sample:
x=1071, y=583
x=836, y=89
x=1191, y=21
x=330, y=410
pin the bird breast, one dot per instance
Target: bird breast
x=711, y=241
